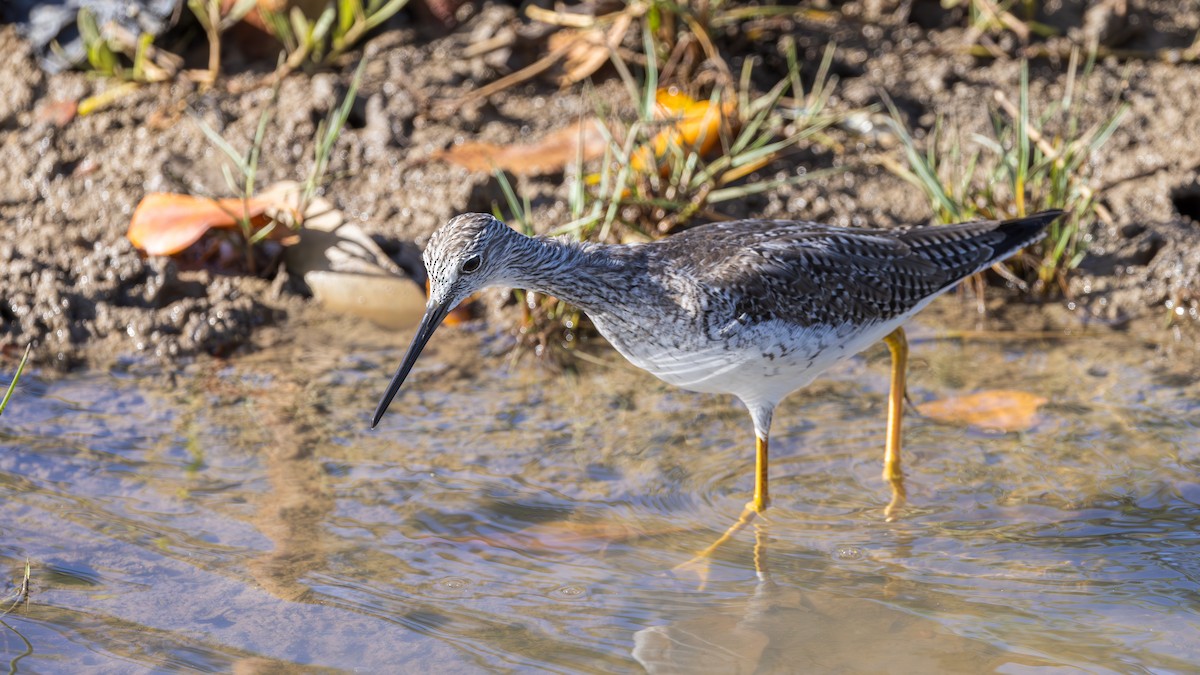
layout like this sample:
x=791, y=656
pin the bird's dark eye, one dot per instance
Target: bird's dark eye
x=471, y=264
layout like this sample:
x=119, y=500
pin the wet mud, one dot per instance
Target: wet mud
x=73, y=285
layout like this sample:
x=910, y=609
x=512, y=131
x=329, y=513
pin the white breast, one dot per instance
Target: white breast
x=763, y=363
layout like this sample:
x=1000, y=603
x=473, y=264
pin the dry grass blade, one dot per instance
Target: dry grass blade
x=511, y=80
x=589, y=48
x=584, y=45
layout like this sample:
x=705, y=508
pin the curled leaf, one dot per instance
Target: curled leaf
x=996, y=410
x=165, y=223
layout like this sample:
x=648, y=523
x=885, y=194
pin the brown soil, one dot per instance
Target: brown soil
x=74, y=286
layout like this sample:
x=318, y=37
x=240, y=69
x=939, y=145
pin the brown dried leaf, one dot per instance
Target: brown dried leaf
x=57, y=112
x=997, y=410
x=588, y=49
x=552, y=153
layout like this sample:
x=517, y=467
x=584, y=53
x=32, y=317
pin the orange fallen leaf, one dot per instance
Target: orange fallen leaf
x=552, y=153
x=696, y=126
x=997, y=410
x=165, y=223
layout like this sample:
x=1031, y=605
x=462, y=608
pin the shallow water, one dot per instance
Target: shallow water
x=240, y=515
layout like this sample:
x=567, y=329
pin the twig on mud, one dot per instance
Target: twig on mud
x=528, y=72
x=208, y=14
x=498, y=41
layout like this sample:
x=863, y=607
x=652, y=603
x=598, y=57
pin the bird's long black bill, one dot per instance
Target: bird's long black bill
x=429, y=323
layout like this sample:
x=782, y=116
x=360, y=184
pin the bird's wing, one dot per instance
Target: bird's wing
x=809, y=273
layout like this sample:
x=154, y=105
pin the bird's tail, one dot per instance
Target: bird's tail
x=962, y=249
x=1021, y=232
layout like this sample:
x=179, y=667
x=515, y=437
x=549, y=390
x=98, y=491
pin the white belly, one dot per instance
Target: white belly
x=760, y=364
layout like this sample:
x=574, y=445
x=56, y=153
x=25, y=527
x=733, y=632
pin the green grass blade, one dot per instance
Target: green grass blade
x=347, y=10
x=516, y=210
x=925, y=174
x=322, y=26
x=262, y=233
x=13, y=385
x=328, y=134
x=374, y=19
x=1022, y=175
x=239, y=160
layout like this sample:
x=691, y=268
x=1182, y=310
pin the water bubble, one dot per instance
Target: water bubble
x=571, y=591
x=454, y=583
x=849, y=553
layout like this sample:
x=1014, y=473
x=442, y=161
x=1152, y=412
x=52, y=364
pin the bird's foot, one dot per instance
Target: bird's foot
x=899, y=498
x=699, y=563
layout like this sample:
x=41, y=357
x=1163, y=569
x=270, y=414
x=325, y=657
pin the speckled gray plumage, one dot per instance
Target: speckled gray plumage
x=808, y=273
x=745, y=271
x=755, y=308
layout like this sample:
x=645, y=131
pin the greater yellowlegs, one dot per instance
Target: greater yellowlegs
x=753, y=308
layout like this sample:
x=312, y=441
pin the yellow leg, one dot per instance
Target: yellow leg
x=892, y=473
x=762, y=496
x=753, y=508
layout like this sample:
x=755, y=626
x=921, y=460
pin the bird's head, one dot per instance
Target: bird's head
x=466, y=255
x=471, y=252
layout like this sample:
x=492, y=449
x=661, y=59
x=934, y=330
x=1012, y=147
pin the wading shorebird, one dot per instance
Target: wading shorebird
x=753, y=308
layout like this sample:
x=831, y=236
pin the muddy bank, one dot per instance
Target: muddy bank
x=76, y=288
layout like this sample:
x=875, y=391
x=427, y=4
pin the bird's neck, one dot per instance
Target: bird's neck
x=593, y=277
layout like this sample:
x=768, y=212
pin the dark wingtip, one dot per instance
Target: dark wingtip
x=1021, y=232
x=1035, y=221
x=1046, y=217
